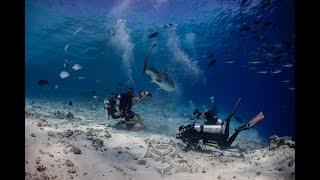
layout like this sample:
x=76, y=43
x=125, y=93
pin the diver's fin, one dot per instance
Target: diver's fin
x=251, y=123
x=234, y=110
x=146, y=58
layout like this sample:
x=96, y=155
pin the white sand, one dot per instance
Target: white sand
x=118, y=158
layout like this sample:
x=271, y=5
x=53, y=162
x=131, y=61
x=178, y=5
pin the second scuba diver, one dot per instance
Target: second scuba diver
x=120, y=107
x=214, y=130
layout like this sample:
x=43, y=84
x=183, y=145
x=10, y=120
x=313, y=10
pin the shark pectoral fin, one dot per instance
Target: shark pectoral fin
x=158, y=80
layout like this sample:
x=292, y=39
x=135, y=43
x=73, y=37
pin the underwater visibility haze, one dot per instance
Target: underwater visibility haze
x=214, y=51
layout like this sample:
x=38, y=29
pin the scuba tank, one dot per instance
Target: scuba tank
x=212, y=129
x=117, y=105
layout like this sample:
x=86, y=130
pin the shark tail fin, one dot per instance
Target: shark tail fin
x=146, y=57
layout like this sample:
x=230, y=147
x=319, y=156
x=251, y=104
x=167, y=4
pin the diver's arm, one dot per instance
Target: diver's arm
x=138, y=99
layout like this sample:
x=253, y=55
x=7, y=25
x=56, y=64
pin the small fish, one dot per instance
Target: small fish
x=93, y=92
x=43, y=82
x=269, y=55
x=285, y=81
x=70, y=103
x=66, y=61
x=279, y=46
x=95, y=97
x=76, y=67
x=64, y=74
x=66, y=47
x=64, y=65
x=77, y=31
x=287, y=65
x=153, y=35
x=98, y=81
x=212, y=61
x=254, y=62
x=253, y=68
x=263, y=72
x=276, y=71
x=244, y=27
x=230, y=62
x=212, y=99
x=56, y=86
x=168, y=25
x=292, y=88
x=81, y=77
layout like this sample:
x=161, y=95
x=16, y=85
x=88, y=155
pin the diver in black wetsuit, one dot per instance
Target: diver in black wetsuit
x=120, y=107
x=217, y=132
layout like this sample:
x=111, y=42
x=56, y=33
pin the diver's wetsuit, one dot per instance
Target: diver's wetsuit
x=125, y=105
x=120, y=107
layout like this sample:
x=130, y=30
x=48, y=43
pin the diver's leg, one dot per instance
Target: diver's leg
x=230, y=140
x=234, y=110
x=226, y=129
x=250, y=124
x=137, y=118
x=134, y=120
x=227, y=120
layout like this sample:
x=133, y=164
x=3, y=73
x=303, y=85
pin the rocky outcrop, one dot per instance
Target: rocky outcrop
x=275, y=142
x=63, y=115
x=97, y=143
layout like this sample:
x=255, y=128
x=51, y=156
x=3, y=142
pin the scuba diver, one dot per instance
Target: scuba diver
x=217, y=132
x=120, y=107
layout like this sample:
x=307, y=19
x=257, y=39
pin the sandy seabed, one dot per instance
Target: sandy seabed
x=77, y=142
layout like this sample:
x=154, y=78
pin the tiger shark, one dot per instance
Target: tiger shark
x=161, y=79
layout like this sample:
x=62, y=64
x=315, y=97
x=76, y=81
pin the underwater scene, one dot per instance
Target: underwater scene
x=162, y=89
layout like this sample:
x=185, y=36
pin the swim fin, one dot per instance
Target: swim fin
x=251, y=123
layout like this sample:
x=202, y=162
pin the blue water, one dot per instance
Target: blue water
x=111, y=44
